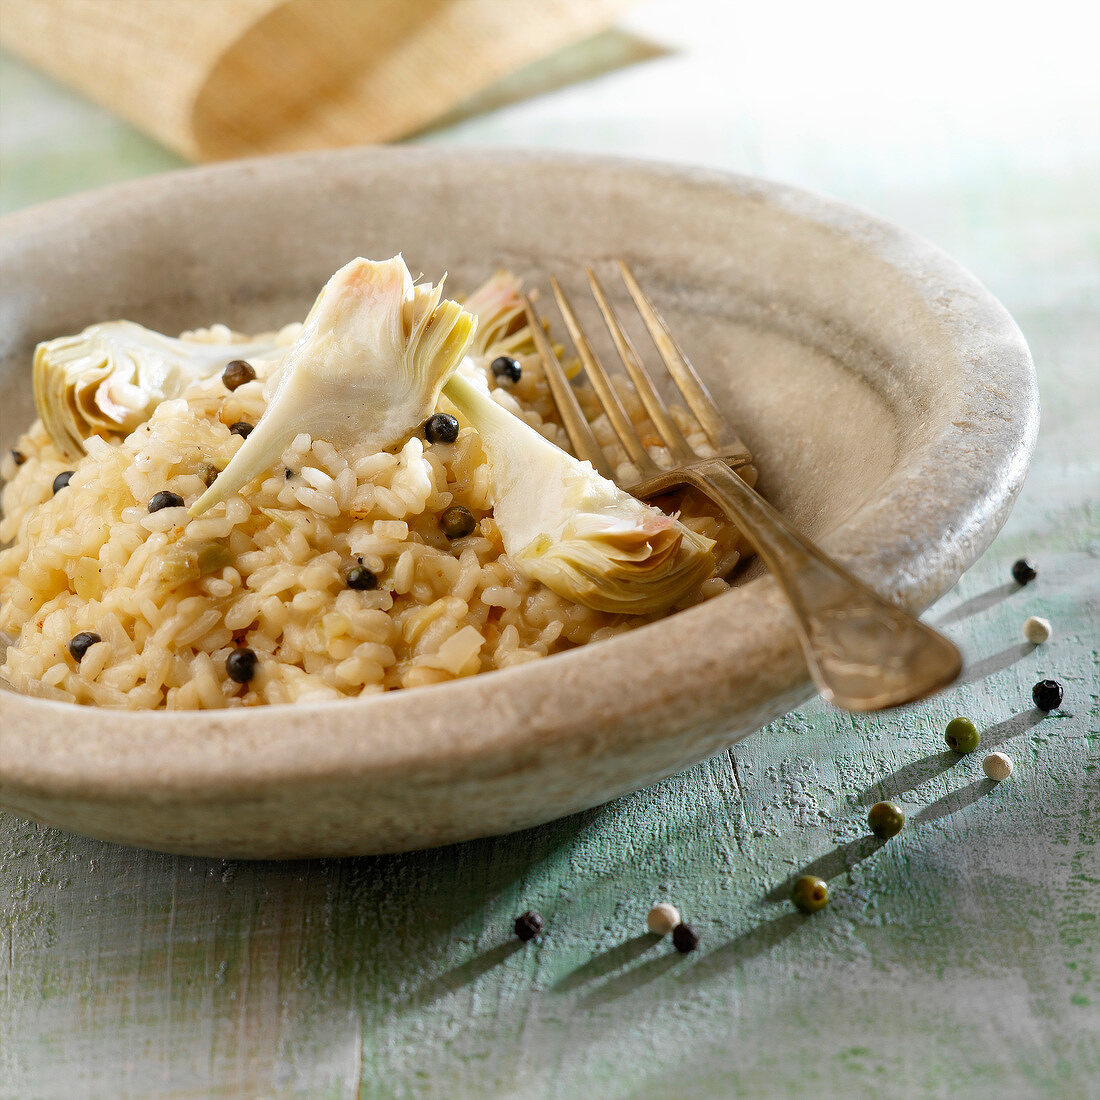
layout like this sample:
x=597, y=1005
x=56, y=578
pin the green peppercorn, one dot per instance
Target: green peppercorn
x=962, y=735
x=457, y=522
x=209, y=473
x=810, y=893
x=886, y=819
x=237, y=374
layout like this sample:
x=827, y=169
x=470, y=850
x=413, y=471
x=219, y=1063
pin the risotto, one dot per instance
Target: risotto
x=343, y=571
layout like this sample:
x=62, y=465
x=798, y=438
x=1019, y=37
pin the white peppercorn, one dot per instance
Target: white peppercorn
x=662, y=919
x=997, y=766
x=1037, y=630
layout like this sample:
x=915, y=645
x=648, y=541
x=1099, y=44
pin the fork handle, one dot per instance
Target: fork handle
x=864, y=653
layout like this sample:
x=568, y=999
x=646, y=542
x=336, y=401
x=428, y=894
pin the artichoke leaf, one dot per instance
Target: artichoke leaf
x=502, y=327
x=108, y=379
x=366, y=368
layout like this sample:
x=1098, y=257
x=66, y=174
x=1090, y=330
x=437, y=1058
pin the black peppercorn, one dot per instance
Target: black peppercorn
x=288, y=473
x=240, y=665
x=18, y=457
x=441, y=428
x=506, y=369
x=361, y=579
x=62, y=480
x=1047, y=695
x=237, y=373
x=241, y=428
x=165, y=499
x=528, y=925
x=457, y=522
x=685, y=938
x=1023, y=572
x=81, y=643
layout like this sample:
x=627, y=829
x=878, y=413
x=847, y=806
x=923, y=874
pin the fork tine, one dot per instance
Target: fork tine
x=601, y=383
x=654, y=403
x=679, y=366
x=576, y=426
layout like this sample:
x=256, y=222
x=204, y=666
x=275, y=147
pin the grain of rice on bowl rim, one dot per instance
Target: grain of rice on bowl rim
x=172, y=597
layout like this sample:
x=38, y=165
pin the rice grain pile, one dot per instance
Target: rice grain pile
x=172, y=597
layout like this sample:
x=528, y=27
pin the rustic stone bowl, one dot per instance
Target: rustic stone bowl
x=889, y=399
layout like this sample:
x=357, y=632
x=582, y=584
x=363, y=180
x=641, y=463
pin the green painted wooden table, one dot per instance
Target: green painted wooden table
x=958, y=959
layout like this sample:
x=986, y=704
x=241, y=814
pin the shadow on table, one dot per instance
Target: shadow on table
x=997, y=662
x=623, y=985
x=954, y=801
x=468, y=972
x=977, y=604
x=909, y=777
x=992, y=736
x=740, y=950
x=613, y=959
x=828, y=866
x=747, y=946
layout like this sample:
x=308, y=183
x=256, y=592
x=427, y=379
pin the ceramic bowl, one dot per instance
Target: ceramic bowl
x=889, y=399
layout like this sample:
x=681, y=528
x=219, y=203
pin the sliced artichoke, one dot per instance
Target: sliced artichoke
x=109, y=378
x=573, y=530
x=366, y=368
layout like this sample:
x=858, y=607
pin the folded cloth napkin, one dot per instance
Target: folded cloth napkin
x=213, y=79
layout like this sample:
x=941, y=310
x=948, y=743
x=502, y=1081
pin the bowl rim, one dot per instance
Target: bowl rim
x=221, y=750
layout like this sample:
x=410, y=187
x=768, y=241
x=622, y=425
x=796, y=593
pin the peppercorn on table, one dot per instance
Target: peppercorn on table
x=956, y=955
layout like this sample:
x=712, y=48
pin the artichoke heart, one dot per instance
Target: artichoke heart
x=573, y=530
x=366, y=368
x=624, y=567
x=108, y=379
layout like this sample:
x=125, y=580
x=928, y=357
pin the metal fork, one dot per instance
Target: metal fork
x=864, y=653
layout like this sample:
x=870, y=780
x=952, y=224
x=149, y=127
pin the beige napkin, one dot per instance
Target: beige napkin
x=224, y=78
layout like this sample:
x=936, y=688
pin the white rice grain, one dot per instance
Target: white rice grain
x=318, y=479
x=94, y=660
x=456, y=652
